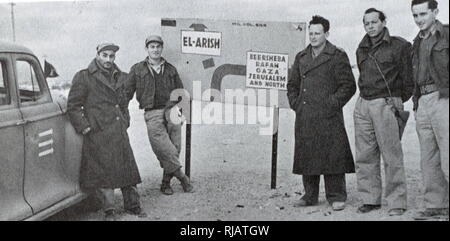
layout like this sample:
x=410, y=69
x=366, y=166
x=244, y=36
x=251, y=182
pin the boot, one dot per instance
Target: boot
x=185, y=182
x=137, y=211
x=165, y=185
x=110, y=215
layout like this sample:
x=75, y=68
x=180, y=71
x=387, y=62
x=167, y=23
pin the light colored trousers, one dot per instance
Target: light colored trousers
x=165, y=139
x=377, y=132
x=432, y=121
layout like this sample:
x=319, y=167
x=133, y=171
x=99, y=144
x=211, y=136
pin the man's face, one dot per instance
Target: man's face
x=424, y=16
x=373, y=25
x=154, y=50
x=106, y=58
x=317, y=37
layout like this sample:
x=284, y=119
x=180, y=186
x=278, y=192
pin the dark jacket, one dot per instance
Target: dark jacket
x=318, y=89
x=107, y=158
x=141, y=81
x=394, y=58
x=439, y=62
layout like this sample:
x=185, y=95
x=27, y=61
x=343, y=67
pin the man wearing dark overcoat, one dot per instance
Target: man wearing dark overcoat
x=320, y=84
x=98, y=109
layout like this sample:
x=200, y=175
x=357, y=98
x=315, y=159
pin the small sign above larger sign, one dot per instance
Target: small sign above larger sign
x=199, y=42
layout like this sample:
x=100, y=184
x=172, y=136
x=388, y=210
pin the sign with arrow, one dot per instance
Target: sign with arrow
x=198, y=27
x=220, y=56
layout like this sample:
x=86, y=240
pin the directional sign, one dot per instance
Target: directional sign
x=267, y=70
x=228, y=56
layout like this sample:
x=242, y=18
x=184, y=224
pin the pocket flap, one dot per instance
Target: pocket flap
x=440, y=46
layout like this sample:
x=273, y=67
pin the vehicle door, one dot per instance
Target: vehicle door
x=12, y=202
x=46, y=181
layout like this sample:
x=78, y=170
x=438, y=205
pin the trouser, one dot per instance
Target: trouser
x=129, y=193
x=165, y=139
x=377, y=132
x=335, y=188
x=432, y=122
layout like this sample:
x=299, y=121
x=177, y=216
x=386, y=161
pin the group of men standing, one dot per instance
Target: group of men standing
x=98, y=108
x=391, y=72
x=320, y=84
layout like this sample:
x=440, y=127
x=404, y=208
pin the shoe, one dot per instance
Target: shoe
x=396, y=212
x=137, y=211
x=338, y=206
x=186, y=184
x=432, y=213
x=166, y=189
x=368, y=208
x=110, y=215
x=165, y=184
x=185, y=181
x=304, y=203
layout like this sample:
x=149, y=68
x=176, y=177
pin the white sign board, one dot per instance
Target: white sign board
x=199, y=42
x=218, y=57
x=267, y=70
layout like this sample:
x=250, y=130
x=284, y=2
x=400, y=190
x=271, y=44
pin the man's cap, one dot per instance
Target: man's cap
x=154, y=38
x=107, y=46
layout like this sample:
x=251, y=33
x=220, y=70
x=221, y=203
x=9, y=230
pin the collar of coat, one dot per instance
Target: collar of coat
x=439, y=31
x=329, y=49
x=93, y=67
x=155, y=67
x=95, y=71
x=144, y=67
x=327, y=53
x=367, y=43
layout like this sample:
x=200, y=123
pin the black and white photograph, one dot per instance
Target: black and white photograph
x=224, y=110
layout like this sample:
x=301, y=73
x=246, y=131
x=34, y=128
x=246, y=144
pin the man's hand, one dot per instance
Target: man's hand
x=174, y=115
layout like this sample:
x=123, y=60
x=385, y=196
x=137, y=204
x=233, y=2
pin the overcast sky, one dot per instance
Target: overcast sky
x=68, y=32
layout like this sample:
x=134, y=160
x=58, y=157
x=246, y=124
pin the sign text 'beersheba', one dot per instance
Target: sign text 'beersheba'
x=267, y=70
x=198, y=42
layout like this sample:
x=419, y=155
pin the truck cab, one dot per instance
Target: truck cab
x=40, y=152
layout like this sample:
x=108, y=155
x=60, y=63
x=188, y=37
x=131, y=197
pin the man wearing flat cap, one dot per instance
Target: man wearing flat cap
x=98, y=109
x=153, y=80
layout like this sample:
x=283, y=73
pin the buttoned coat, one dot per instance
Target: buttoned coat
x=107, y=158
x=318, y=89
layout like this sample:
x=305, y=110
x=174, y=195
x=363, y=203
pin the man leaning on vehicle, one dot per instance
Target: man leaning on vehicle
x=98, y=109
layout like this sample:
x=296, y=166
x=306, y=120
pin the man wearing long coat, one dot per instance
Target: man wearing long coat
x=320, y=84
x=98, y=109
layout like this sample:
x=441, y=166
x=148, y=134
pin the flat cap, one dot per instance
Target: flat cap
x=154, y=38
x=107, y=46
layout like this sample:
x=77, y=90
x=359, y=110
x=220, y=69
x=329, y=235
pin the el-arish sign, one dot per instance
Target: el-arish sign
x=203, y=43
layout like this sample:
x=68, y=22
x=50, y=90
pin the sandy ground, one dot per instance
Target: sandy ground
x=231, y=168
